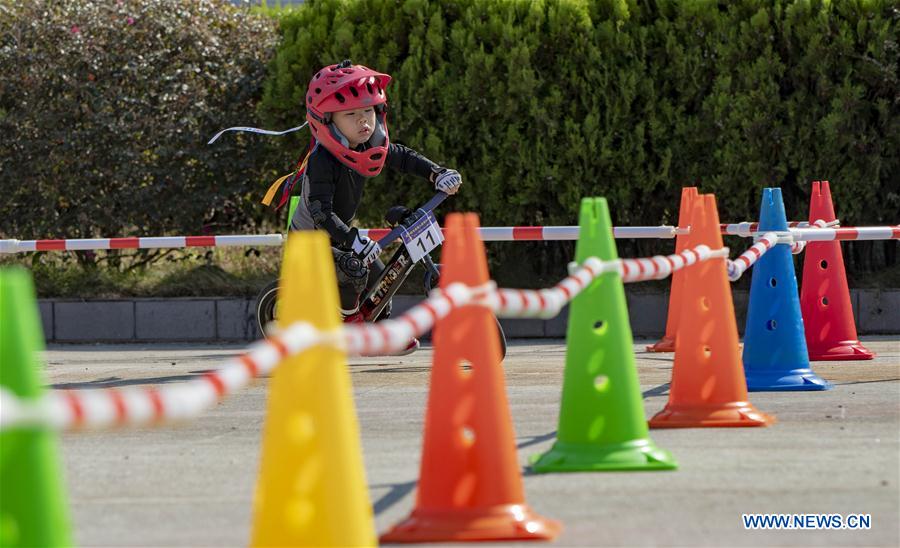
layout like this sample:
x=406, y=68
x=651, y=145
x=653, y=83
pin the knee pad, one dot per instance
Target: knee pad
x=350, y=270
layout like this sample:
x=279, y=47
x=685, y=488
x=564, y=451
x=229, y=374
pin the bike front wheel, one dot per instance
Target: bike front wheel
x=267, y=312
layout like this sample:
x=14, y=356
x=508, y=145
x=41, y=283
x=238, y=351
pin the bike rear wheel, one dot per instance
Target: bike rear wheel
x=502, y=339
x=266, y=307
x=432, y=276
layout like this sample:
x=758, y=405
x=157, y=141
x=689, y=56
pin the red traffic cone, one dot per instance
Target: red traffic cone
x=824, y=296
x=470, y=487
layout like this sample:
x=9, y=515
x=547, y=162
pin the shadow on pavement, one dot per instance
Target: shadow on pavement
x=660, y=390
x=396, y=494
x=112, y=382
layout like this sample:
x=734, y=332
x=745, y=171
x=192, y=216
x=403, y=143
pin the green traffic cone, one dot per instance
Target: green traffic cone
x=292, y=207
x=601, y=419
x=32, y=504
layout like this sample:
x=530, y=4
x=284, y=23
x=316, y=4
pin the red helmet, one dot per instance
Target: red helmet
x=346, y=87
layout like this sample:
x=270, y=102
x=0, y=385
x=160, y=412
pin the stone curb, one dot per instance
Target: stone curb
x=231, y=319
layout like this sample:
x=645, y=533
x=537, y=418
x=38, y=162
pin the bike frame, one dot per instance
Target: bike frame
x=397, y=269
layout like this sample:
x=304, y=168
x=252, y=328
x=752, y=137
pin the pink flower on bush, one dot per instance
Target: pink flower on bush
x=75, y=29
x=130, y=20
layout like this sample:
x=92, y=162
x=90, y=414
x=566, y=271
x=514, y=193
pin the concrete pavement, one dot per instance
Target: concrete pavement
x=191, y=485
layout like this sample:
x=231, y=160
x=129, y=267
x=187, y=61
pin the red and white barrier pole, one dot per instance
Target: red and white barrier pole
x=93, y=244
x=748, y=229
x=488, y=234
x=547, y=233
x=846, y=233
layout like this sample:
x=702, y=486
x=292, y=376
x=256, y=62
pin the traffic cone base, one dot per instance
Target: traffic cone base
x=665, y=344
x=843, y=351
x=587, y=457
x=501, y=522
x=801, y=379
x=733, y=414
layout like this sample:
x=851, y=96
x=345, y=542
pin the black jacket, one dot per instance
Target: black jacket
x=331, y=192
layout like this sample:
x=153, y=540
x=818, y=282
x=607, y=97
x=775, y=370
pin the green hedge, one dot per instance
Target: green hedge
x=106, y=108
x=539, y=103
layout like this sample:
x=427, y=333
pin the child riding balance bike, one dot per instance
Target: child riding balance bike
x=346, y=112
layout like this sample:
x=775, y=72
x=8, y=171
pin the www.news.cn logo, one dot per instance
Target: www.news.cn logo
x=807, y=521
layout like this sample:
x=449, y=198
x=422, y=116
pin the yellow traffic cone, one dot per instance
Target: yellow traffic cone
x=312, y=486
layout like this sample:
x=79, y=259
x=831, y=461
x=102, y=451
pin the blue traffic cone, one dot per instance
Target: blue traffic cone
x=775, y=355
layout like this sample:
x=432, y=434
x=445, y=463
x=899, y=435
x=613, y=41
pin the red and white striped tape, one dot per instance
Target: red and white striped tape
x=737, y=267
x=162, y=242
x=390, y=336
x=547, y=303
x=659, y=267
x=104, y=408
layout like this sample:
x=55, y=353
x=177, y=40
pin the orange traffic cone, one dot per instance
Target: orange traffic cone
x=824, y=295
x=708, y=385
x=470, y=487
x=667, y=343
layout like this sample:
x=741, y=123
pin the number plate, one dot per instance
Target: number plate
x=422, y=236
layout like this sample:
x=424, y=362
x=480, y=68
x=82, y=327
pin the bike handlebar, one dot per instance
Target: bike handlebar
x=428, y=206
